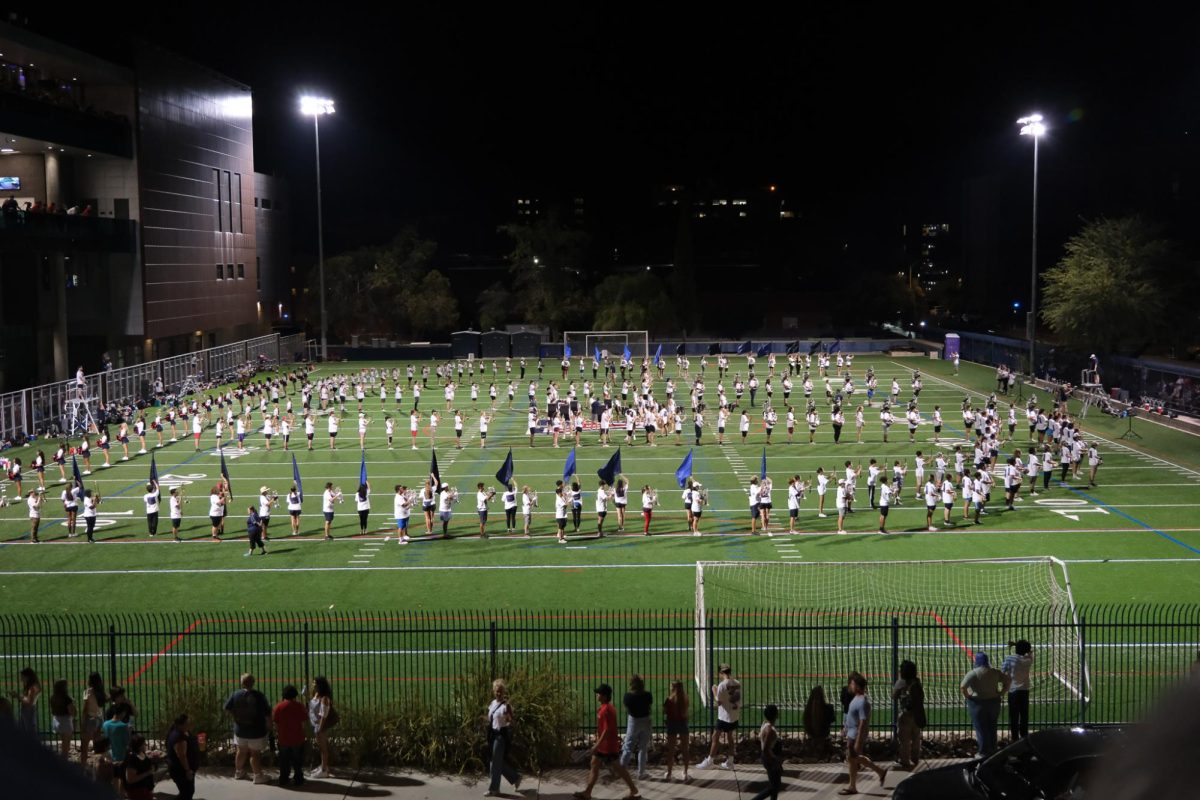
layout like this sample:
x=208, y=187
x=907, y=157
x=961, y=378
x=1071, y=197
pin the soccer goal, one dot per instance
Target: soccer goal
x=800, y=624
x=609, y=343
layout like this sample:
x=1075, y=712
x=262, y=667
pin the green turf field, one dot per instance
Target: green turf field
x=596, y=605
x=1133, y=538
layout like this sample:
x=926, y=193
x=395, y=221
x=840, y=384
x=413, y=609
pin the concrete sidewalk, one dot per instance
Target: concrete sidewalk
x=816, y=781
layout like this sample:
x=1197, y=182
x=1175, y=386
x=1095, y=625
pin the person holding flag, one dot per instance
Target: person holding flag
x=505, y=476
x=70, y=501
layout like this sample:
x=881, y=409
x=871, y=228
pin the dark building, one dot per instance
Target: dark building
x=158, y=253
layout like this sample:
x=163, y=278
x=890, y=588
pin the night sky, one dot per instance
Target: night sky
x=445, y=115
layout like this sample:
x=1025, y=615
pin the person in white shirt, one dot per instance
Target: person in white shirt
x=841, y=500
x=266, y=501
x=697, y=507
x=931, y=498
x=603, y=495
x=401, y=510
x=175, y=507
x=70, y=501
x=151, y=499
x=744, y=426
x=947, y=500
x=482, y=498
x=216, y=510
x=528, y=503
x=295, y=506
x=1094, y=461
x=561, y=502
x=333, y=423
x=822, y=489
x=458, y=429
x=885, y=501
x=268, y=431
x=328, y=498
x=91, y=500
x=363, y=422
x=446, y=500
x=484, y=419
x=34, y=500
x=649, y=501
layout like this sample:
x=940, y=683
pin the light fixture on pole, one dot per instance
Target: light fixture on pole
x=316, y=107
x=1033, y=126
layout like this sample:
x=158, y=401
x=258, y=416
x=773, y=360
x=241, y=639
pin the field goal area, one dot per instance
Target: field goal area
x=584, y=344
x=804, y=624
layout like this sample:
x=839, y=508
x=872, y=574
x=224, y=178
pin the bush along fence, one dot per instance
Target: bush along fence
x=411, y=687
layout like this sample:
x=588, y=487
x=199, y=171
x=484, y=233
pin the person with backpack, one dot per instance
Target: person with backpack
x=909, y=695
x=251, y=723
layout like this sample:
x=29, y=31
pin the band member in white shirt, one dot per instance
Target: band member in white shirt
x=265, y=503
x=328, y=498
x=294, y=506
x=482, y=498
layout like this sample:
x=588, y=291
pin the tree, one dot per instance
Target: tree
x=635, y=301
x=1112, y=289
x=432, y=308
x=495, y=306
x=548, y=267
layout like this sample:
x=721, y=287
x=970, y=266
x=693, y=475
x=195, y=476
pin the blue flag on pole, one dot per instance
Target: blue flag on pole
x=744, y=347
x=609, y=472
x=764, y=351
x=685, y=470
x=836, y=346
x=762, y=470
x=433, y=472
x=225, y=475
x=569, y=467
x=628, y=353
x=597, y=355
x=153, y=470
x=362, y=469
x=296, y=478
x=76, y=474
x=658, y=354
x=506, y=471
x=566, y=351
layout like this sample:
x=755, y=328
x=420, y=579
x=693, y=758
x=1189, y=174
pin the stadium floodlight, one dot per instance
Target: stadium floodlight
x=317, y=107
x=1033, y=126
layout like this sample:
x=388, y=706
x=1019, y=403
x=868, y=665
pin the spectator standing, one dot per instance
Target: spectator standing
x=94, y=699
x=818, y=717
x=31, y=690
x=1017, y=666
x=117, y=730
x=289, y=715
x=858, y=721
x=62, y=714
x=982, y=688
x=139, y=772
x=607, y=747
x=500, y=723
x=322, y=717
x=909, y=695
x=675, y=710
x=183, y=757
x=728, y=697
x=772, y=754
x=251, y=719
x=638, y=703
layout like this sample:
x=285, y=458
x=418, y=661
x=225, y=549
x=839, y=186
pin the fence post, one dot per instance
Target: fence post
x=26, y=412
x=492, y=646
x=307, y=671
x=895, y=668
x=1082, y=667
x=112, y=655
x=712, y=707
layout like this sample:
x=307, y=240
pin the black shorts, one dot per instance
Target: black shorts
x=793, y=513
x=883, y=511
x=294, y=513
x=562, y=523
x=722, y=725
x=606, y=758
x=216, y=521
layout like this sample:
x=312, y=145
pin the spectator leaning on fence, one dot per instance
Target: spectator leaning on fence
x=1017, y=666
x=322, y=716
x=251, y=719
x=982, y=688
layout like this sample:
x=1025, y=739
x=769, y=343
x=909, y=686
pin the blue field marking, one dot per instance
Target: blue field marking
x=1134, y=520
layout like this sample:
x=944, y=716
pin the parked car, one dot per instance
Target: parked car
x=1046, y=765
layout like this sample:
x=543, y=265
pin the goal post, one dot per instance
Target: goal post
x=610, y=343
x=801, y=623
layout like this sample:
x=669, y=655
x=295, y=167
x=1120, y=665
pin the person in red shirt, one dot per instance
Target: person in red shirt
x=289, y=716
x=608, y=746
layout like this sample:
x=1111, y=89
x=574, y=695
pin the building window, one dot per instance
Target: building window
x=229, y=272
x=217, y=197
x=266, y=204
x=241, y=272
x=220, y=272
x=256, y=202
x=229, y=198
x=258, y=273
x=237, y=199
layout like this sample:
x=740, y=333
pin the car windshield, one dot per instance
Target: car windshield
x=1019, y=772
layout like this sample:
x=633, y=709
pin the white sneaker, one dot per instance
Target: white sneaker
x=87, y=472
x=142, y=452
x=261, y=778
x=173, y=439
x=707, y=763
x=124, y=458
x=931, y=528
x=822, y=516
x=318, y=773
x=727, y=764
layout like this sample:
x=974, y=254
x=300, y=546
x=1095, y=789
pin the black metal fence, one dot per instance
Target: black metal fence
x=1126, y=655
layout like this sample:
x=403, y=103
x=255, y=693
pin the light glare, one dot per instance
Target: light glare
x=315, y=106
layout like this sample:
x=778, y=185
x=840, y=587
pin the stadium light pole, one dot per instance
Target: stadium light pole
x=1033, y=126
x=316, y=107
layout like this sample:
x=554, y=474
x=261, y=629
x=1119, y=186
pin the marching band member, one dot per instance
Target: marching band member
x=91, y=500
x=266, y=501
x=216, y=510
x=914, y=419
x=362, y=504
x=528, y=503
x=649, y=500
x=197, y=429
x=482, y=498
x=363, y=422
x=697, y=507
x=838, y=420
x=151, y=498
x=561, y=502
x=744, y=425
x=268, y=430
x=175, y=508
x=34, y=500
x=814, y=421
x=401, y=510
x=333, y=423
x=885, y=417
x=328, y=498
x=822, y=488
x=446, y=500
x=70, y=501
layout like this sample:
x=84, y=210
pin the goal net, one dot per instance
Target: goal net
x=803, y=624
x=609, y=343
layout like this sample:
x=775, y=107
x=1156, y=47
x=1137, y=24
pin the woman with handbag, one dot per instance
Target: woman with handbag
x=500, y=722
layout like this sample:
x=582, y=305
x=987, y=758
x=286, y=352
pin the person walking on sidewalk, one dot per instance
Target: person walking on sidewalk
x=772, y=754
x=638, y=729
x=728, y=696
x=909, y=695
x=607, y=749
x=858, y=720
x=500, y=722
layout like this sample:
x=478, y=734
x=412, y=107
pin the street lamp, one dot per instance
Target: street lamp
x=1032, y=126
x=316, y=107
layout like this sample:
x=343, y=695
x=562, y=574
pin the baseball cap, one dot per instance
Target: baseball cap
x=981, y=660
